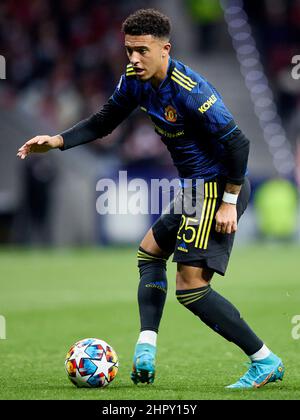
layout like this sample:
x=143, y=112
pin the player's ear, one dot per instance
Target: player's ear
x=166, y=49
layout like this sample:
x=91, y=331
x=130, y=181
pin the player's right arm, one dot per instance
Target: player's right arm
x=40, y=144
x=117, y=109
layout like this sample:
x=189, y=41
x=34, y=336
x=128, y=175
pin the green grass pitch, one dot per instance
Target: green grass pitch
x=51, y=298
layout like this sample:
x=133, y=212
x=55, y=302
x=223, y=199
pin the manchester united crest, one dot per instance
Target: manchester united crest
x=170, y=114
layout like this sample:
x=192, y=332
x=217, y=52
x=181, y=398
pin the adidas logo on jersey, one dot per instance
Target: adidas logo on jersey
x=207, y=104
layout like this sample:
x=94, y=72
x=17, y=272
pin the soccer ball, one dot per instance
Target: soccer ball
x=91, y=363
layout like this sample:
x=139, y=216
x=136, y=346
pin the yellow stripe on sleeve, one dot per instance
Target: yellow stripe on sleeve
x=180, y=83
x=188, y=79
x=188, y=83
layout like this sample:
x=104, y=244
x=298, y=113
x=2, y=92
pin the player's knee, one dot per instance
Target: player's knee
x=149, y=245
x=152, y=271
x=146, y=258
x=192, y=277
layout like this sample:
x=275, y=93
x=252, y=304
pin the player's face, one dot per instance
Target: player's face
x=147, y=54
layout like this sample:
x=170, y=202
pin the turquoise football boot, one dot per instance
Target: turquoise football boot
x=261, y=373
x=143, y=364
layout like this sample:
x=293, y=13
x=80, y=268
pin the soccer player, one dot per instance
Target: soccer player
x=206, y=146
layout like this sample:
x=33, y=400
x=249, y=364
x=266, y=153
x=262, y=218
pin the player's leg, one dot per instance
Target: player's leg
x=196, y=264
x=152, y=292
x=155, y=249
x=195, y=293
x=153, y=286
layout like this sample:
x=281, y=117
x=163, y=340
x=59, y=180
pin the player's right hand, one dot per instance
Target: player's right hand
x=40, y=144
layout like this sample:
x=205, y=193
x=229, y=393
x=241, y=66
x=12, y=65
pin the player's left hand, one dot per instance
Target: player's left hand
x=226, y=218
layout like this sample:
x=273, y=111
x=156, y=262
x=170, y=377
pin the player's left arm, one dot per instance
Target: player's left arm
x=236, y=147
x=226, y=216
x=210, y=111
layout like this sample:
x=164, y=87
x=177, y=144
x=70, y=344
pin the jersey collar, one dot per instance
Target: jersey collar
x=169, y=71
x=166, y=80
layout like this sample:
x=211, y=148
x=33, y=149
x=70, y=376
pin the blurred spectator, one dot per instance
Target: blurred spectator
x=206, y=15
x=33, y=220
x=62, y=56
x=276, y=27
x=277, y=33
x=142, y=146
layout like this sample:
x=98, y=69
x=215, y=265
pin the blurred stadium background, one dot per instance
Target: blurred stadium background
x=63, y=61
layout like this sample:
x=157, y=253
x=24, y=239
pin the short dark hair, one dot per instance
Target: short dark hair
x=147, y=22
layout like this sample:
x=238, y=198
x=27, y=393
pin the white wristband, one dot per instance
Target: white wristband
x=230, y=198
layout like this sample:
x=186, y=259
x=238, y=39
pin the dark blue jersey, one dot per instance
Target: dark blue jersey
x=187, y=112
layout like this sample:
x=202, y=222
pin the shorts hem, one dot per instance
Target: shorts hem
x=203, y=263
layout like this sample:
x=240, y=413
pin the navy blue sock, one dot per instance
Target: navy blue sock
x=152, y=291
x=220, y=315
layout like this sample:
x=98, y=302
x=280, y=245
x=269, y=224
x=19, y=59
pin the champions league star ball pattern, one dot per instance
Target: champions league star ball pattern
x=91, y=363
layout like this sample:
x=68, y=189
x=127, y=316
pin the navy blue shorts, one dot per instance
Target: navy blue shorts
x=192, y=238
